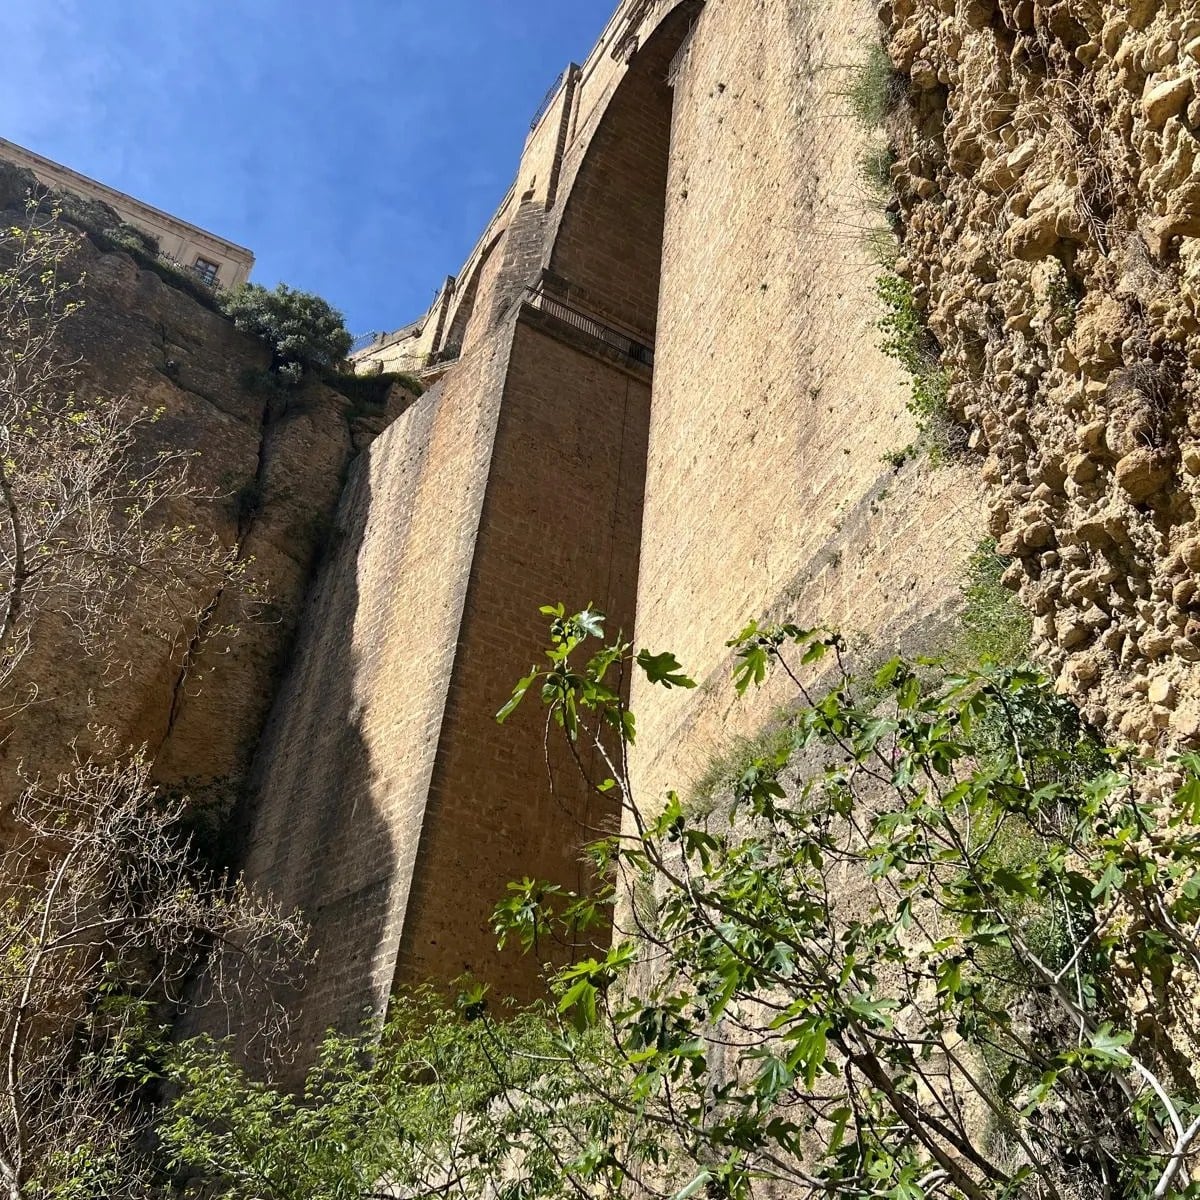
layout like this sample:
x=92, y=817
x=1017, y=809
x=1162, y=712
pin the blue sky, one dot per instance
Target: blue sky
x=356, y=146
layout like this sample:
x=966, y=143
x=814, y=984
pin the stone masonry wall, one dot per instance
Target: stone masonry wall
x=344, y=769
x=562, y=515
x=391, y=807
x=609, y=240
x=772, y=409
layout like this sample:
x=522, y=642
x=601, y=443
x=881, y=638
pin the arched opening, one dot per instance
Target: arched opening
x=461, y=327
x=607, y=254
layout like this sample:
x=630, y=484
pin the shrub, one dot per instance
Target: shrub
x=1064, y=296
x=875, y=166
x=922, y=961
x=995, y=626
x=298, y=327
x=132, y=238
x=907, y=339
x=876, y=89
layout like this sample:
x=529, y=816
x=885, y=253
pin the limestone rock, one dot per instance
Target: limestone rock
x=1164, y=100
x=1141, y=473
x=1060, y=262
x=293, y=455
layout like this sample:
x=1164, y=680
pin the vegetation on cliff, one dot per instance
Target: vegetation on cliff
x=910, y=955
x=85, y=531
x=300, y=329
x=1045, y=194
x=104, y=911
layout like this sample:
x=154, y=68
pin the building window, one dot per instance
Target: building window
x=206, y=270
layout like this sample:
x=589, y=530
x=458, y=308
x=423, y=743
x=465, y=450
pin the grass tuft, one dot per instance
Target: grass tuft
x=876, y=89
x=994, y=625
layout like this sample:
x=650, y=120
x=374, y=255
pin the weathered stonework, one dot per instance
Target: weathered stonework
x=1050, y=189
x=689, y=198
x=773, y=408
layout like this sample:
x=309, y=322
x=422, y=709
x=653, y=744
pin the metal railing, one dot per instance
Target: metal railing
x=631, y=348
x=681, y=56
x=547, y=100
x=367, y=341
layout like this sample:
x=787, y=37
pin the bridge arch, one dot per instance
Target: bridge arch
x=605, y=251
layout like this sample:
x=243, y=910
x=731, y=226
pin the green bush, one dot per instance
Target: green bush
x=907, y=339
x=298, y=327
x=438, y=1092
x=875, y=166
x=131, y=238
x=1065, y=294
x=907, y=966
x=876, y=89
x=995, y=627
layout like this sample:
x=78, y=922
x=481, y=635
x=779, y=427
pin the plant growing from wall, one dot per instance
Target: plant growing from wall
x=994, y=625
x=876, y=87
x=301, y=329
x=875, y=166
x=906, y=338
x=903, y=961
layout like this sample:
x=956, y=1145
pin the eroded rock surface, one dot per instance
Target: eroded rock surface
x=270, y=465
x=1049, y=197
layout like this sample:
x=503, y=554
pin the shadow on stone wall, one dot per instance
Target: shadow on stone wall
x=312, y=835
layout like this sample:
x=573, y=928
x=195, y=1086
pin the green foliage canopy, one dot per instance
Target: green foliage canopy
x=299, y=327
x=900, y=962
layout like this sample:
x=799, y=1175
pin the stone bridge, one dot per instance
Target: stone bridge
x=583, y=223
x=654, y=387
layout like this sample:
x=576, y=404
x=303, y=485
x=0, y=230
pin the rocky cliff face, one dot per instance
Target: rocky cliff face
x=1050, y=207
x=270, y=464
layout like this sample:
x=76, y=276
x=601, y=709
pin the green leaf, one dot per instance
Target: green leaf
x=751, y=668
x=518, y=695
x=591, y=622
x=580, y=1000
x=692, y=1188
x=1112, y=879
x=1109, y=1046
x=1188, y=800
x=665, y=669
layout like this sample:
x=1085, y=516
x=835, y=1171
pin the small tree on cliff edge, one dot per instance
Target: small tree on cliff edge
x=301, y=329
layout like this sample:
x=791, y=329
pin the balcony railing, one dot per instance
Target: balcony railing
x=547, y=100
x=630, y=347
